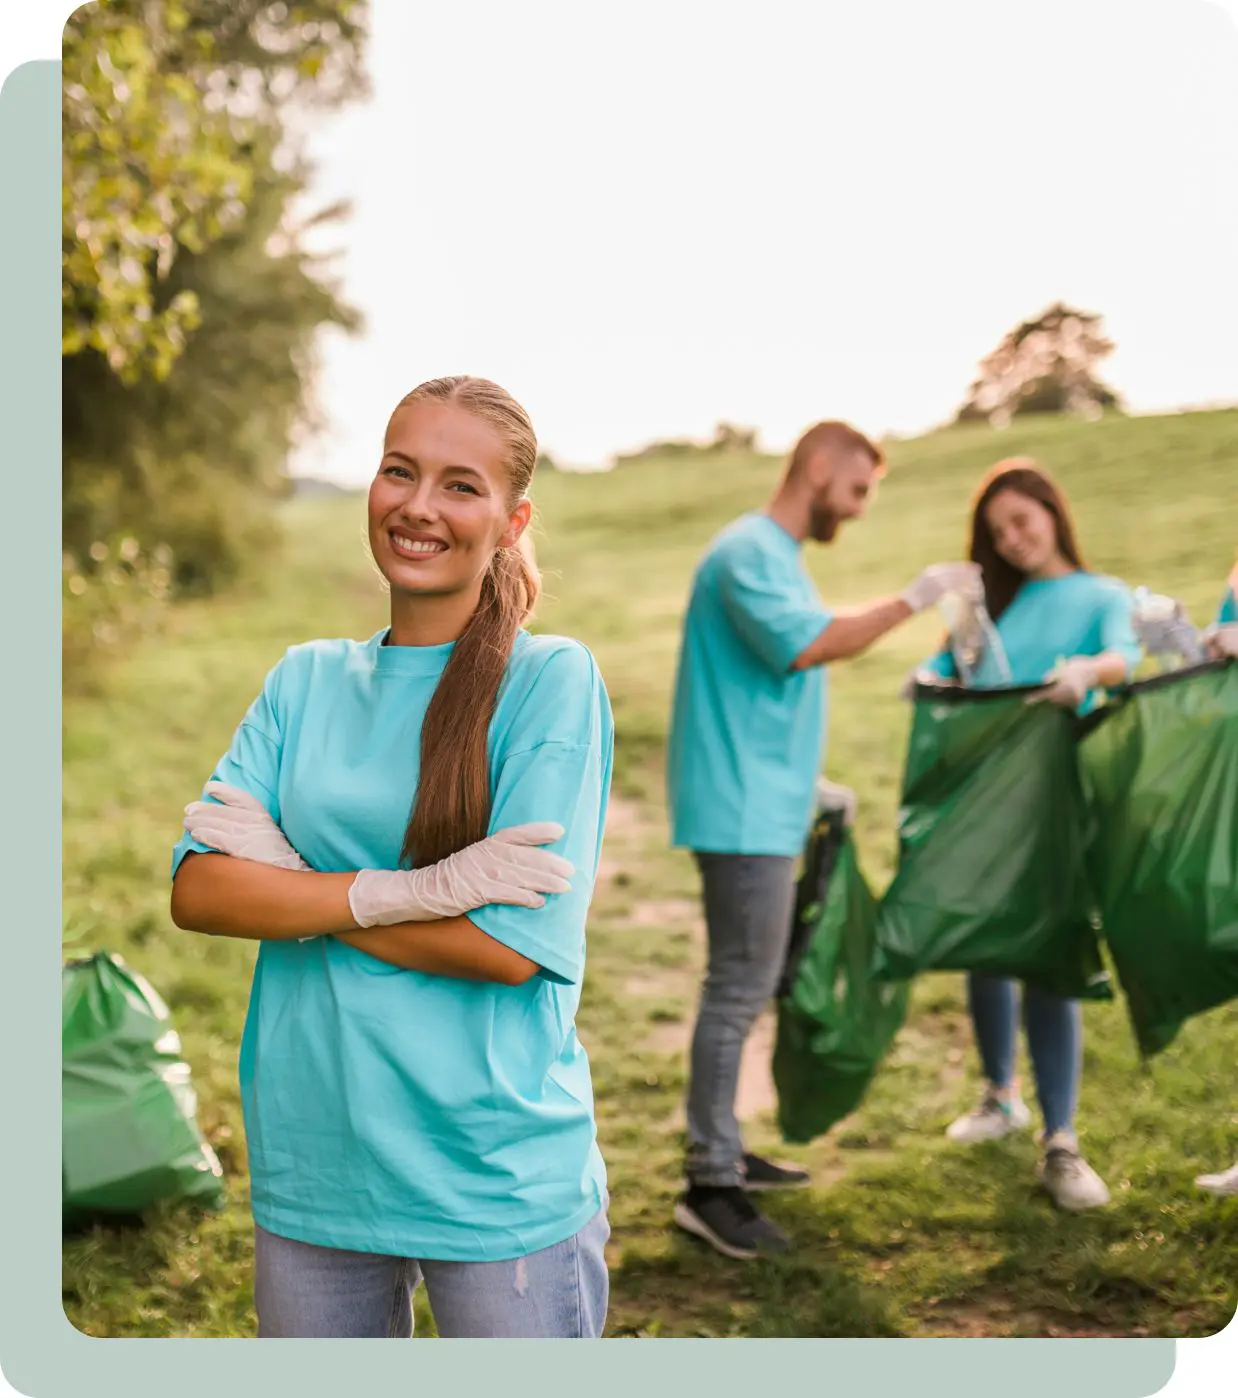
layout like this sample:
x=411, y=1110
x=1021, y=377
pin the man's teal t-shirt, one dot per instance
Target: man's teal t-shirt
x=747, y=733
x=1052, y=619
x=1229, y=608
x=386, y=1110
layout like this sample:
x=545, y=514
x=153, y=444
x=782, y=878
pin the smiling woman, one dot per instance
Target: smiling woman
x=446, y=512
x=1069, y=630
x=417, y=1104
x=450, y=490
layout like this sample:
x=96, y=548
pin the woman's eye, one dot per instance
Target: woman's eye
x=396, y=471
x=462, y=485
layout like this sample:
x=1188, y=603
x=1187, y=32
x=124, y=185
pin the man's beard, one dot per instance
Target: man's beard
x=824, y=525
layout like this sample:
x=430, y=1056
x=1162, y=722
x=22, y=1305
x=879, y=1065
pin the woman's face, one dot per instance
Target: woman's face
x=1024, y=532
x=438, y=505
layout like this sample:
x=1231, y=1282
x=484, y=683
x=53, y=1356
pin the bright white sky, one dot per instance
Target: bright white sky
x=644, y=218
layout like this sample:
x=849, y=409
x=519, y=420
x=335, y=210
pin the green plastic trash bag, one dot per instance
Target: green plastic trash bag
x=129, y=1132
x=1161, y=768
x=992, y=875
x=835, y=1024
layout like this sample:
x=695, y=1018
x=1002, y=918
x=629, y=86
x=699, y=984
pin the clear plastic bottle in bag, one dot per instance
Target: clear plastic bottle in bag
x=979, y=656
x=1165, y=631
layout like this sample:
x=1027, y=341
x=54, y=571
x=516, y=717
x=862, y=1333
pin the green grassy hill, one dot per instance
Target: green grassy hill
x=903, y=1236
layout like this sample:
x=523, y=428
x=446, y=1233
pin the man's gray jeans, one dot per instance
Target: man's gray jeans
x=749, y=900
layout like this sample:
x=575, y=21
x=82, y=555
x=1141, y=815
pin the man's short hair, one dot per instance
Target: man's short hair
x=838, y=439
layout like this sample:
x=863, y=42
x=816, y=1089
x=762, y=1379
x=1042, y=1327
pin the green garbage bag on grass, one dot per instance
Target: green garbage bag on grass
x=129, y=1133
x=1161, y=769
x=991, y=874
x=835, y=1024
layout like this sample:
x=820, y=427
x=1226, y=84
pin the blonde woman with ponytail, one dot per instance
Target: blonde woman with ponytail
x=410, y=827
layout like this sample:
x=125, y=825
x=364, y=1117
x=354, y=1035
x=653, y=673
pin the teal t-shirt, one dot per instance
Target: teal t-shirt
x=747, y=733
x=1052, y=619
x=386, y=1110
x=1229, y=608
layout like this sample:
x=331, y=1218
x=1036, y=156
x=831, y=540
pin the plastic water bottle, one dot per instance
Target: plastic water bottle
x=1165, y=631
x=979, y=656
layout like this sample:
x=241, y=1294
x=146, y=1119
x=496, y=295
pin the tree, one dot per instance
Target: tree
x=272, y=53
x=148, y=168
x=1045, y=365
x=191, y=305
x=729, y=438
x=194, y=459
x=162, y=103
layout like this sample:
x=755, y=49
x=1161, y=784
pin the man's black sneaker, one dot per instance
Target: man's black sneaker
x=764, y=1174
x=728, y=1221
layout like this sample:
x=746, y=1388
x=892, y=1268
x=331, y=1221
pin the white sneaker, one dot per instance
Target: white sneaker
x=1224, y=1183
x=994, y=1118
x=1070, y=1180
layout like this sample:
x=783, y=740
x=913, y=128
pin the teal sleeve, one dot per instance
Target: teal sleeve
x=570, y=785
x=1117, y=630
x=1229, y=609
x=768, y=609
x=251, y=762
x=559, y=769
x=942, y=664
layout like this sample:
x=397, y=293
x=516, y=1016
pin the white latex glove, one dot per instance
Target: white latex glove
x=938, y=579
x=1069, y=684
x=506, y=867
x=241, y=827
x=832, y=796
x=503, y=868
x=1223, y=641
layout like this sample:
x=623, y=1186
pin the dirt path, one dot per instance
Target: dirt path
x=627, y=831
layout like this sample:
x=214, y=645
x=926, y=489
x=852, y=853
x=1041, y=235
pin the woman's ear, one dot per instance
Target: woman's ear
x=517, y=523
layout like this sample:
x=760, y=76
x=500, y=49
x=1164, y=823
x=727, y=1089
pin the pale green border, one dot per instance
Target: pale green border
x=41, y=1353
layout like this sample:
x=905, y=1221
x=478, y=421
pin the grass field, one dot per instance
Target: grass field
x=902, y=1235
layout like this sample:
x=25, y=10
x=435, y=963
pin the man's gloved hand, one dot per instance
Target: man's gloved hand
x=832, y=796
